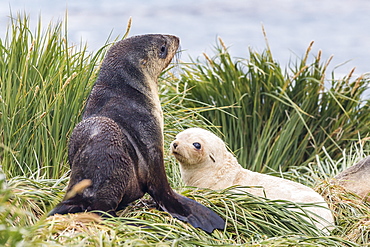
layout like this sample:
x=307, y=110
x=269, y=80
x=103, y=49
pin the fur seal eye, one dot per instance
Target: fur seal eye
x=163, y=51
x=197, y=145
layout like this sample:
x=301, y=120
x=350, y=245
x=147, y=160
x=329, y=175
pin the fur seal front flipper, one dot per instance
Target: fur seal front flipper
x=196, y=214
x=118, y=145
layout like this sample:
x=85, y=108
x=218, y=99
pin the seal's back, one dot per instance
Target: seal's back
x=118, y=146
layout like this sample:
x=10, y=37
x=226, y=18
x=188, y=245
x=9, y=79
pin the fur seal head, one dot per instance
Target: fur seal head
x=149, y=55
x=196, y=147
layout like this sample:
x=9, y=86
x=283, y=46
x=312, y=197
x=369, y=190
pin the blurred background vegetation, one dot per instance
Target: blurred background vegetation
x=280, y=117
x=296, y=122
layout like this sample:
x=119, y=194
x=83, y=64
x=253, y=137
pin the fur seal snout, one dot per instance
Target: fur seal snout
x=118, y=145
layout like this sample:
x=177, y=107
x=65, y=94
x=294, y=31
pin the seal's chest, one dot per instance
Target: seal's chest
x=158, y=114
x=157, y=107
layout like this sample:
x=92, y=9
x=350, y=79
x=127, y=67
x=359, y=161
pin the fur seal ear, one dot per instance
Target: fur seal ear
x=212, y=156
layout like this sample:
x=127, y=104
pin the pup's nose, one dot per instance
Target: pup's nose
x=175, y=145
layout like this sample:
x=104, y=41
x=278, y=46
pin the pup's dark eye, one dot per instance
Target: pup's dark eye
x=163, y=52
x=197, y=145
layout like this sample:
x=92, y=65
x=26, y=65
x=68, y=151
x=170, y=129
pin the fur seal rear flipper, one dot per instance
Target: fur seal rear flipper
x=118, y=145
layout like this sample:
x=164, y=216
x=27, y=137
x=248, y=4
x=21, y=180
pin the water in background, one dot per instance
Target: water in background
x=338, y=27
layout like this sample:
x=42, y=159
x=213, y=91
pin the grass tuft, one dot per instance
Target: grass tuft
x=44, y=82
x=288, y=123
x=277, y=119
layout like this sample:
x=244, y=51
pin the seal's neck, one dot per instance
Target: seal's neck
x=196, y=175
x=128, y=75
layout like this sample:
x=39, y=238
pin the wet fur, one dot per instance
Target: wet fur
x=119, y=143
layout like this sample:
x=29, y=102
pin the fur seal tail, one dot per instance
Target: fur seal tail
x=190, y=211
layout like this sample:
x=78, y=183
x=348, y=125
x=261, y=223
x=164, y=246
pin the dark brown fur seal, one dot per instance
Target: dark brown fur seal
x=119, y=143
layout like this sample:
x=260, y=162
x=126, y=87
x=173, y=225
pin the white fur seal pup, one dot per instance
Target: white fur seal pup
x=118, y=145
x=205, y=162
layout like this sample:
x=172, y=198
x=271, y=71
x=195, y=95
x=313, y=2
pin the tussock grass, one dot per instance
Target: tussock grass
x=44, y=82
x=36, y=195
x=250, y=220
x=43, y=85
x=13, y=223
x=278, y=118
